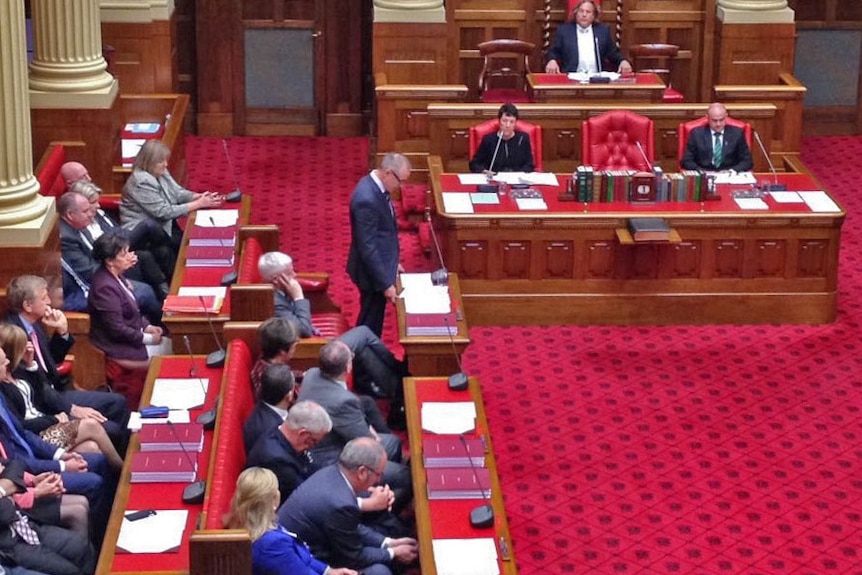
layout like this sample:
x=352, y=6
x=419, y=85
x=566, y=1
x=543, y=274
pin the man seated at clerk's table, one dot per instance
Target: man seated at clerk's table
x=377, y=373
x=507, y=150
x=352, y=416
x=79, y=265
x=30, y=309
x=277, y=394
x=585, y=44
x=717, y=146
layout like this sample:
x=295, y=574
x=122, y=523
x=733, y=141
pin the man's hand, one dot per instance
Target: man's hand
x=29, y=354
x=341, y=571
x=74, y=462
x=552, y=67
x=406, y=549
x=56, y=320
x=625, y=68
x=81, y=412
x=400, y=269
x=48, y=485
x=380, y=498
x=390, y=294
x=289, y=285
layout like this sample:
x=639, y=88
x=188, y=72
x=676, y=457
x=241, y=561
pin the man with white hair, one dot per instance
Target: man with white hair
x=377, y=372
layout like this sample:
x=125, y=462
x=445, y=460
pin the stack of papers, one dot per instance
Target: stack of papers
x=179, y=393
x=451, y=417
x=465, y=556
x=161, y=532
x=172, y=437
x=216, y=218
x=163, y=467
x=531, y=204
x=192, y=304
x=209, y=256
x=209, y=236
x=735, y=178
x=457, y=203
x=421, y=296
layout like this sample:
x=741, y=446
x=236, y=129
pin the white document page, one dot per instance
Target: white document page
x=786, y=197
x=819, y=202
x=179, y=393
x=157, y=533
x=735, y=178
x=466, y=556
x=531, y=204
x=457, y=203
x=472, y=179
x=215, y=291
x=751, y=204
x=131, y=147
x=448, y=417
x=216, y=218
x=484, y=198
x=174, y=416
x=540, y=179
x=421, y=296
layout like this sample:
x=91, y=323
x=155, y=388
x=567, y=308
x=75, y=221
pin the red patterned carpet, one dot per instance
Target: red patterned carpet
x=690, y=450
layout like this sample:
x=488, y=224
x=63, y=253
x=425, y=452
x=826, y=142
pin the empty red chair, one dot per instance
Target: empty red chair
x=609, y=141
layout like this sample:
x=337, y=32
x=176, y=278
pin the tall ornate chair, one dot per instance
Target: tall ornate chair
x=658, y=59
x=609, y=141
x=684, y=130
x=505, y=66
x=534, y=131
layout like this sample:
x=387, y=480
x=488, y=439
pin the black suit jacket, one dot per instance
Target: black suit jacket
x=373, y=258
x=565, y=47
x=324, y=513
x=274, y=452
x=45, y=398
x=735, y=154
x=261, y=421
x=54, y=349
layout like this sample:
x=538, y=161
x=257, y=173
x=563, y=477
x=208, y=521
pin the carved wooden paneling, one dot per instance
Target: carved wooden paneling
x=638, y=262
x=473, y=259
x=728, y=259
x=411, y=53
x=812, y=258
x=684, y=260
x=600, y=260
x=145, y=55
x=750, y=54
x=557, y=259
x=770, y=258
x=516, y=257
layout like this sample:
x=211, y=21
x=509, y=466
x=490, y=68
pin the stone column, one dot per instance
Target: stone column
x=754, y=12
x=68, y=70
x=25, y=216
x=417, y=11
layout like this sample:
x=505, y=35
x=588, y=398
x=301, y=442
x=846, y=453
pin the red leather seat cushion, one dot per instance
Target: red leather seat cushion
x=248, y=273
x=413, y=198
x=330, y=324
x=49, y=174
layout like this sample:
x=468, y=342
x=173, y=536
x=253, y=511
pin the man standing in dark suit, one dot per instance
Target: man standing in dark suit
x=353, y=416
x=584, y=45
x=717, y=146
x=324, y=512
x=277, y=394
x=373, y=258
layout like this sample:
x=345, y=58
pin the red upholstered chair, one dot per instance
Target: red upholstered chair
x=534, y=131
x=658, y=59
x=505, y=66
x=609, y=141
x=684, y=130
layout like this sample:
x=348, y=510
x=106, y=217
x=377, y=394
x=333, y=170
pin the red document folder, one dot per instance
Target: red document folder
x=168, y=437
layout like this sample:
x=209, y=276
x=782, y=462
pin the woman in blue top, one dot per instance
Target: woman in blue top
x=274, y=550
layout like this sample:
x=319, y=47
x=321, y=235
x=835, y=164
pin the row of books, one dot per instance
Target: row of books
x=167, y=453
x=592, y=186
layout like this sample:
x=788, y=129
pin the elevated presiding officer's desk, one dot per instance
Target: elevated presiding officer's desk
x=567, y=265
x=639, y=88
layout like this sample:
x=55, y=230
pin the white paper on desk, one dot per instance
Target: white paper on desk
x=786, y=197
x=531, y=204
x=532, y=178
x=204, y=291
x=751, y=204
x=472, y=179
x=216, y=218
x=174, y=416
x=457, y=203
x=159, y=533
x=179, y=393
x=819, y=202
x=415, y=281
x=448, y=417
x=735, y=178
x=585, y=76
x=434, y=299
x=131, y=147
x=485, y=198
x=466, y=556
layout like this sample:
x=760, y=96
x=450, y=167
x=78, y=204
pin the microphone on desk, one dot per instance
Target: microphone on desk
x=457, y=381
x=235, y=195
x=481, y=517
x=194, y=492
x=598, y=78
x=439, y=277
x=215, y=358
x=230, y=277
x=496, y=149
x=775, y=186
x=208, y=417
x=649, y=166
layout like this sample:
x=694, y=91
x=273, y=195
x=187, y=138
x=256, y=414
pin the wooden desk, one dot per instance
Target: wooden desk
x=158, y=495
x=641, y=88
x=434, y=355
x=566, y=265
x=196, y=326
x=445, y=519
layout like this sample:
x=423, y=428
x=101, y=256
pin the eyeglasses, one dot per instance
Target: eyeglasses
x=377, y=474
x=399, y=180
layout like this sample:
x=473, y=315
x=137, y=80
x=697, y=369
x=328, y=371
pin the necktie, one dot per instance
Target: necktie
x=388, y=197
x=24, y=530
x=34, y=339
x=716, y=150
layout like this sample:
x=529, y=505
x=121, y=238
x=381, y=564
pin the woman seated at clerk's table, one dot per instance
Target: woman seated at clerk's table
x=507, y=150
x=151, y=192
x=274, y=550
x=41, y=408
x=116, y=324
x=156, y=256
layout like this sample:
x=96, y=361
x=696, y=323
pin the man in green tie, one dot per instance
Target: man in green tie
x=717, y=146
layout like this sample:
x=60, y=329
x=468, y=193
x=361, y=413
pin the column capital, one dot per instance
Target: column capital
x=409, y=11
x=135, y=11
x=754, y=12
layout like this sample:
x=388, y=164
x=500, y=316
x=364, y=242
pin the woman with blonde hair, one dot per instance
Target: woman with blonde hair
x=40, y=408
x=274, y=550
